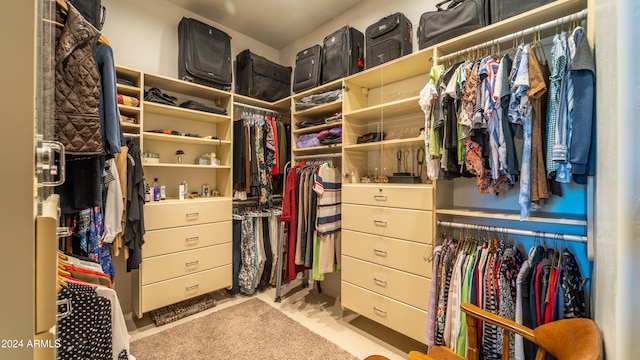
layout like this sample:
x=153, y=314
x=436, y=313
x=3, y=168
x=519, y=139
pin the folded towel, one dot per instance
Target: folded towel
x=128, y=100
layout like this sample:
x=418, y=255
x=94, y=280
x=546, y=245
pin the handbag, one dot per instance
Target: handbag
x=460, y=17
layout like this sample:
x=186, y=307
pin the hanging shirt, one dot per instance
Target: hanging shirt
x=428, y=97
x=558, y=66
x=432, y=307
x=538, y=86
x=520, y=110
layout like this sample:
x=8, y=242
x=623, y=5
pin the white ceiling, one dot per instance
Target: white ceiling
x=276, y=23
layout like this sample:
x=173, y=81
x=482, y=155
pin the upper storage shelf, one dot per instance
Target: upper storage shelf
x=532, y=18
x=405, y=67
x=182, y=113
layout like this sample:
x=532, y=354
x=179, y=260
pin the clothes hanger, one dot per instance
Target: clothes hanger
x=64, y=6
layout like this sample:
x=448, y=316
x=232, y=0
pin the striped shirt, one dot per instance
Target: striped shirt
x=328, y=186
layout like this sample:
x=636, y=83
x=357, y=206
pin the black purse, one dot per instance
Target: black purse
x=460, y=17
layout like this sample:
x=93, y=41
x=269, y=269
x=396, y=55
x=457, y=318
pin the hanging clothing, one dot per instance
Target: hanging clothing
x=89, y=312
x=134, y=230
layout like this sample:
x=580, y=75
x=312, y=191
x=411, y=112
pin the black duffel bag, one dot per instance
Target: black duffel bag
x=460, y=17
x=503, y=9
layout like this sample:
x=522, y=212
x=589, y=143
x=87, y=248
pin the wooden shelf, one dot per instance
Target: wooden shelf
x=126, y=109
x=325, y=149
x=549, y=12
x=334, y=85
x=387, y=144
x=129, y=125
x=186, y=166
x=282, y=105
x=391, y=109
x=185, y=139
x=198, y=199
x=171, y=85
x=320, y=110
x=317, y=128
x=536, y=217
x=182, y=113
x=408, y=66
x=128, y=90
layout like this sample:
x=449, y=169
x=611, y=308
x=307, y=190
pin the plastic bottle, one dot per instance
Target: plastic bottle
x=147, y=192
x=186, y=189
x=156, y=190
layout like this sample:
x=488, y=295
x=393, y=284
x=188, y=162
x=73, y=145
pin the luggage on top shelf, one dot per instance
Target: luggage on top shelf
x=308, y=71
x=92, y=11
x=204, y=54
x=261, y=78
x=460, y=17
x=503, y=9
x=389, y=38
x=343, y=54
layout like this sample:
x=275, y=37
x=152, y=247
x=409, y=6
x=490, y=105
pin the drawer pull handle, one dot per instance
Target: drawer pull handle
x=193, y=215
x=381, y=311
x=192, y=263
x=380, y=197
x=380, y=252
x=192, y=239
x=192, y=287
x=379, y=281
x=380, y=222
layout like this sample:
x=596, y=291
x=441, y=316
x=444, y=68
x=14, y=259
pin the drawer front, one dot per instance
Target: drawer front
x=398, y=254
x=166, y=267
x=167, y=241
x=408, y=197
x=185, y=287
x=407, y=288
x=413, y=225
x=405, y=319
x=170, y=214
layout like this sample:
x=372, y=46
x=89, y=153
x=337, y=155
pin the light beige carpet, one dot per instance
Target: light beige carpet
x=250, y=330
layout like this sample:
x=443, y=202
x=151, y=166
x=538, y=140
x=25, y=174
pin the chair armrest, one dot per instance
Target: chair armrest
x=512, y=326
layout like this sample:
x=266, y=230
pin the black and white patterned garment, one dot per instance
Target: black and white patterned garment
x=86, y=333
x=573, y=288
x=512, y=260
x=249, y=269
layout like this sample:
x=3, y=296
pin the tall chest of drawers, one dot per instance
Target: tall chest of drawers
x=187, y=252
x=386, y=241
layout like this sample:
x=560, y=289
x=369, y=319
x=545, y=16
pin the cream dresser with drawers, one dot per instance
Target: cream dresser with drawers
x=386, y=241
x=187, y=252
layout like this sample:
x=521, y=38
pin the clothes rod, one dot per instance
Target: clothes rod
x=131, y=135
x=548, y=25
x=252, y=107
x=318, y=156
x=511, y=231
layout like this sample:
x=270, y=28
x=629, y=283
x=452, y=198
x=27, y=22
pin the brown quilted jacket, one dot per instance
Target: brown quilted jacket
x=77, y=87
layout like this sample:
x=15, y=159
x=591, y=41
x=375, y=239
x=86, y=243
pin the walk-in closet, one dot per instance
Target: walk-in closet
x=330, y=180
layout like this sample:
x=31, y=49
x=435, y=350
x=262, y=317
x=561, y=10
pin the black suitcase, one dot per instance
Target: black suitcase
x=308, y=70
x=343, y=54
x=459, y=17
x=503, y=9
x=204, y=55
x=260, y=78
x=389, y=38
x=92, y=11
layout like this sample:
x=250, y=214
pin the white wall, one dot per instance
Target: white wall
x=144, y=35
x=360, y=17
x=617, y=268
